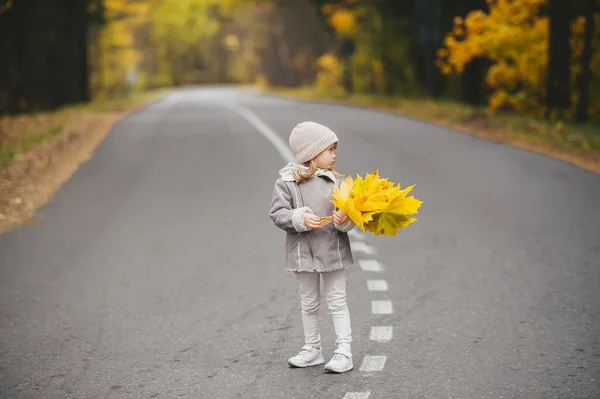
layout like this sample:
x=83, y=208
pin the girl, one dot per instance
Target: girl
x=301, y=195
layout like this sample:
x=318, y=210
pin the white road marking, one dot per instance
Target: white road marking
x=357, y=395
x=377, y=285
x=381, y=307
x=381, y=333
x=265, y=130
x=373, y=363
x=370, y=265
x=360, y=246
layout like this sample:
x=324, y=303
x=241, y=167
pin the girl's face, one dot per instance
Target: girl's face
x=326, y=159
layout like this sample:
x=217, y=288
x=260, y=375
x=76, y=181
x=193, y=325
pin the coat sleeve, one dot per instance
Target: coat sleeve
x=346, y=226
x=282, y=212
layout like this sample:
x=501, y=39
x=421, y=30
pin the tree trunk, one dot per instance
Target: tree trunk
x=50, y=47
x=222, y=52
x=347, y=75
x=389, y=88
x=473, y=76
x=80, y=50
x=583, y=80
x=20, y=94
x=9, y=63
x=387, y=63
x=558, y=81
x=471, y=81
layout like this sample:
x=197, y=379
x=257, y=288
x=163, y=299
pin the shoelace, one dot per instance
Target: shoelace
x=305, y=352
x=338, y=357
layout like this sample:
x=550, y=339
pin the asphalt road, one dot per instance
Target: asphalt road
x=157, y=273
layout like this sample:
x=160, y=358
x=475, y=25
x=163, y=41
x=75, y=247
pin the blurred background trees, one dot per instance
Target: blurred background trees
x=535, y=57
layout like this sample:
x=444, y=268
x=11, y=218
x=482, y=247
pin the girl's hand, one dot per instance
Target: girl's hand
x=339, y=217
x=311, y=221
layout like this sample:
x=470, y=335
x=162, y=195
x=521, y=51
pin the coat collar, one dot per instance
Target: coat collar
x=287, y=172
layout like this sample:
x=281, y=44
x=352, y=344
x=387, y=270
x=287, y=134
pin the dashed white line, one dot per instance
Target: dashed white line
x=357, y=395
x=381, y=307
x=377, y=285
x=373, y=363
x=361, y=247
x=381, y=333
x=370, y=265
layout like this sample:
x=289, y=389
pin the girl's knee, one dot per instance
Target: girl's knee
x=310, y=307
x=337, y=305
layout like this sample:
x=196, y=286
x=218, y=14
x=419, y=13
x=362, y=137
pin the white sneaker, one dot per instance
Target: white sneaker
x=308, y=356
x=340, y=363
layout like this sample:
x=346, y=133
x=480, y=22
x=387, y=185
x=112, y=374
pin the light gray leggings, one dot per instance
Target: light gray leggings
x=335, y=292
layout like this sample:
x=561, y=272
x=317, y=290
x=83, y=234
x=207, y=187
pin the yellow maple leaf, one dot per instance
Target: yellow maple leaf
x=343, y=199
x=388, y=223
x=341, y=194
x=406, y=205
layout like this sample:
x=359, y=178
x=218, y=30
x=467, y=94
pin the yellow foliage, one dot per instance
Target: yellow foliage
x=375, y=204
x=343, y=19
x=114, y=52
x=185, y=32
x=261, y=81
x=497, y=99
x=514, y=36
x=344, y=22
x=329, y=73
x=232, y=41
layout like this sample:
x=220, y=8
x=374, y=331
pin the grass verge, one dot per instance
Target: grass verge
x=39, y=152
x=576, y=144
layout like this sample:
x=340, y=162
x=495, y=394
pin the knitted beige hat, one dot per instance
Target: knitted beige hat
x=309, y=139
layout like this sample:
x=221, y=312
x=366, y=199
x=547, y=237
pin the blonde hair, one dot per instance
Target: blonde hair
x=301, y=176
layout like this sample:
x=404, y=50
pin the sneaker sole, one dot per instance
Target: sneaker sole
x=315, y=362
x=332, y=371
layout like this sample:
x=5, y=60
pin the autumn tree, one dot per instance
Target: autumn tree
x=380, y=60
x=292, y=38
x=472, y=90
x=395, y=41
x=514, y=37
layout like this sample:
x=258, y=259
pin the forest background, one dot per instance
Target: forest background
x=523, y=72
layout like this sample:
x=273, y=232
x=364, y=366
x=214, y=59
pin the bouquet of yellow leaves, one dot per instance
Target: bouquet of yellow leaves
x=376, y=204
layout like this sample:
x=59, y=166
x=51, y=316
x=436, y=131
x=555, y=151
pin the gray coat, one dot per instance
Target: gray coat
x=319, y=250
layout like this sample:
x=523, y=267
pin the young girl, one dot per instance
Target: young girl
x=301, y=195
